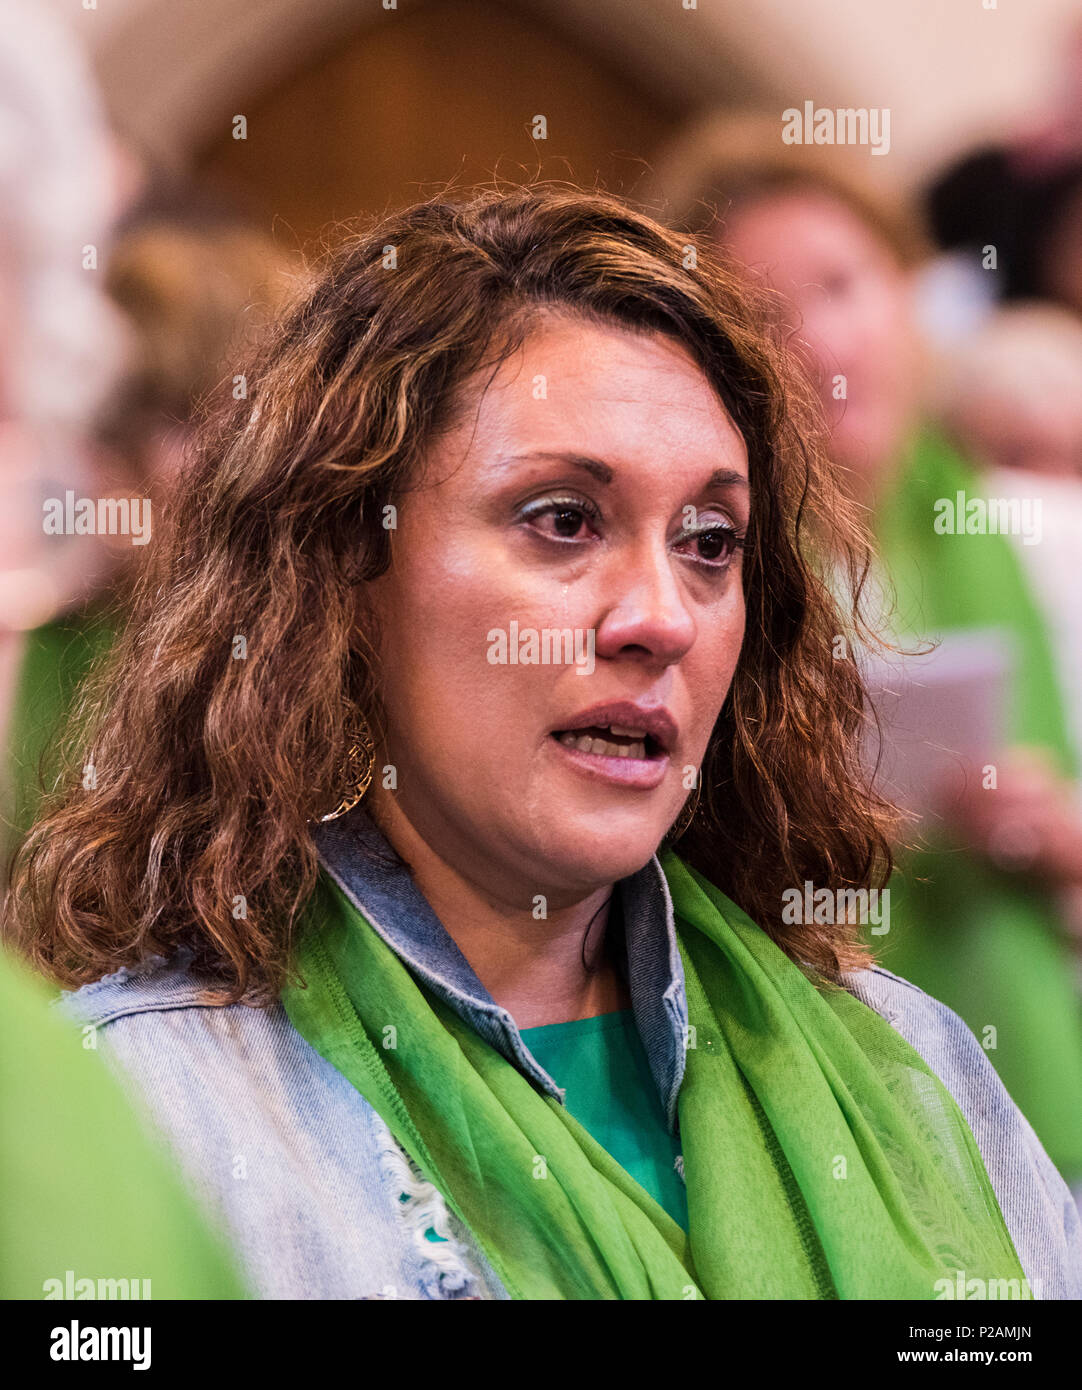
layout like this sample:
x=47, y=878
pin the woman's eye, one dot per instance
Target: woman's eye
x=715, y=546
x=561, y=521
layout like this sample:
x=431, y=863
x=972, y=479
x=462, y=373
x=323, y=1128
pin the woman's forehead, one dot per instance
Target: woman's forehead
x=573, y=384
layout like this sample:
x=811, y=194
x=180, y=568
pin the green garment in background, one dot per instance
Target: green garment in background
x=602, y=1065
x=56, y=658
x=983, y=941
x=823, y=1158
x=83, y=1188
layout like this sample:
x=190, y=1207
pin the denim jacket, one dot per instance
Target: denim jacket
x=314, y=1193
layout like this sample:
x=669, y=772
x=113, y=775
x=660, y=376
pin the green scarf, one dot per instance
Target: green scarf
x=987, y=943
x=823, y=1159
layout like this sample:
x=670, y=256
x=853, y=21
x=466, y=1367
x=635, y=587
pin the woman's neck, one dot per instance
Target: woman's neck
x=531, y=967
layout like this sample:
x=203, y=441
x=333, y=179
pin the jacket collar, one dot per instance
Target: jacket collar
x=359, y=858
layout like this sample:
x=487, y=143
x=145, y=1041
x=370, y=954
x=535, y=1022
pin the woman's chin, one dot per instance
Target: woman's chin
x=581, y=853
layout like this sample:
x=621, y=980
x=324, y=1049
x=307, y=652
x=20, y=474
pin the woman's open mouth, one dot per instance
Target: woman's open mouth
x=615, y=753
x=611, y=741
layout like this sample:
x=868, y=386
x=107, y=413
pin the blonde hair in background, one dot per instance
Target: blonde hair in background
x=1028, y=351
x=196, y=296
x=1017, y=376
x=724, y=158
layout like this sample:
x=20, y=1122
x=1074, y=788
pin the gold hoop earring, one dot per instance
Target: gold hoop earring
x=360, y=765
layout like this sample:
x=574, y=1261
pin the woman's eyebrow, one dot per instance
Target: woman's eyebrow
x=727, y=477
x=721, y=477
x=601, y=471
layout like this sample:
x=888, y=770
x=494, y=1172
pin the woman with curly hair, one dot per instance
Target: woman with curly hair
x=497, y=586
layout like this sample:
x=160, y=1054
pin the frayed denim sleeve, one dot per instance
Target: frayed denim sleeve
x=285, y=1157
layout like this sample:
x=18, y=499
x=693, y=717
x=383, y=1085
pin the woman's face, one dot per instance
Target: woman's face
x=560, y=502
x=852, y=305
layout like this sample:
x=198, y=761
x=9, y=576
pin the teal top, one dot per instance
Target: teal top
x=601, y=1064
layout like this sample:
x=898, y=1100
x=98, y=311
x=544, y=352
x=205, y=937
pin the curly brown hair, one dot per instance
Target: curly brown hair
x=209, y=770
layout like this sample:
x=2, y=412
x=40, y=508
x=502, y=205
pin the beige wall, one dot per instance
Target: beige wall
x=446, y=93
x=949, y=69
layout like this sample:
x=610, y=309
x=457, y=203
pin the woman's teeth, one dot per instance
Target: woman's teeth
x=590, y=743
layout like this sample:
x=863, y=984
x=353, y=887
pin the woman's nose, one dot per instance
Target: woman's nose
x=645, y=611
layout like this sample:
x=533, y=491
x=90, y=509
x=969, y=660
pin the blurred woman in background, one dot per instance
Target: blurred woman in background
x=980, y=929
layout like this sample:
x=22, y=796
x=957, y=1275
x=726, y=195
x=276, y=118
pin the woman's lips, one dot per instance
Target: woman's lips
x=623, y=770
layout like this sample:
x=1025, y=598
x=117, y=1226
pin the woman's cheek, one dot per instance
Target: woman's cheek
x=711, y=674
